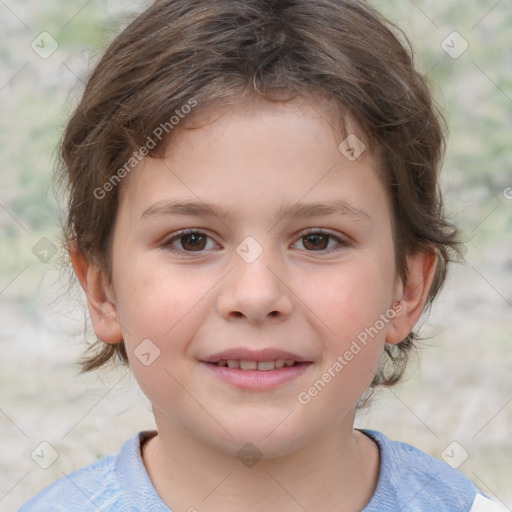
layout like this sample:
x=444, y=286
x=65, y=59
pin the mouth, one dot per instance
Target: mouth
x=256, y=370
x=262, y=366
x=256, y=375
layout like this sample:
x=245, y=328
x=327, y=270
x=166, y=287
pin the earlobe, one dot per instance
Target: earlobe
x=101, y=306
x=414, y=294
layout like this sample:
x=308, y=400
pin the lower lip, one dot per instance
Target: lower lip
x=257, y=379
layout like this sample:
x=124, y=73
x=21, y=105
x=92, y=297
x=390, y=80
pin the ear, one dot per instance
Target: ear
x=101, y=307
x=412, y=295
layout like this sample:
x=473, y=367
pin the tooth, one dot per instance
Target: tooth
x=266, y=365
x=248, y=365
x=256, y=365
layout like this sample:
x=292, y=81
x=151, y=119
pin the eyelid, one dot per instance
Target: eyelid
x=321, y=231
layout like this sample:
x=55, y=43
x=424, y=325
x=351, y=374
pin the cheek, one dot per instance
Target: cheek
x=157, y=300
x=160, y=313
x=165, y=308
x=353, y=298
x=351, y=305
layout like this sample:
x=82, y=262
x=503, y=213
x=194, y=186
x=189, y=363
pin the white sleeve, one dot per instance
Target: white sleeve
x=482, y=504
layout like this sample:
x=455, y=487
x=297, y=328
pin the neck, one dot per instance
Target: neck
x=337, y=470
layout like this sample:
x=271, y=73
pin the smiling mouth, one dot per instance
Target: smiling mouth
x=263, y=366
x=253, y=375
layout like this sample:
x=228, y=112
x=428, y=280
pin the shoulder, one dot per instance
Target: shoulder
x=89, y=489
x=413, y=480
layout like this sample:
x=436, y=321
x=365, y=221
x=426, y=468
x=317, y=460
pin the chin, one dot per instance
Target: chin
x=255, y=442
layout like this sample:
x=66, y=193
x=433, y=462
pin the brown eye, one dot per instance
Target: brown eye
x=316, y=241
x=322, y=242
x=193, y=242
x=187, y=241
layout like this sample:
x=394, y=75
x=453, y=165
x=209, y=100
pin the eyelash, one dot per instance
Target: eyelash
x=168, y=243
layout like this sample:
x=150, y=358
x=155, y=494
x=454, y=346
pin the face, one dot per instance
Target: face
x=261, y=276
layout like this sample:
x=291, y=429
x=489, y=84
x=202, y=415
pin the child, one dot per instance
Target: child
x=255, y=219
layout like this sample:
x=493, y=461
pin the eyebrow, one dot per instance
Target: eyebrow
x=197, y=208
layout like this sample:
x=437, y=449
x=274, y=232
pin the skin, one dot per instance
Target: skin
x=253, y=159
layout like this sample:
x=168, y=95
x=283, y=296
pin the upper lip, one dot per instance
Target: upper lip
x=244, y=354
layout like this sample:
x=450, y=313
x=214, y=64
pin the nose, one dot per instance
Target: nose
x=255, y=291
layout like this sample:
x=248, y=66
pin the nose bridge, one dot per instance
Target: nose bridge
x=255, y=287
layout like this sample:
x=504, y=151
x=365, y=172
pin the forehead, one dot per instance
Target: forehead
x=254, y=153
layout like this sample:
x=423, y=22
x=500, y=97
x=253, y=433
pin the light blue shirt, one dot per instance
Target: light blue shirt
x=409, y=481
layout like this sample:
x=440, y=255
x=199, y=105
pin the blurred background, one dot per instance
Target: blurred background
x=456, y=401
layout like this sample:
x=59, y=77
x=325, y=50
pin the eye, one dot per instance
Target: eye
x=189, y=240
x=319, y=241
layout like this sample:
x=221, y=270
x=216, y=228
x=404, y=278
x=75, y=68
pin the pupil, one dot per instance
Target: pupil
x=316, y=239
x=195, y=244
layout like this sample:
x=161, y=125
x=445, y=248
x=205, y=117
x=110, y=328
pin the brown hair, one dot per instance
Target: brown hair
x=214, y=52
